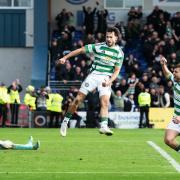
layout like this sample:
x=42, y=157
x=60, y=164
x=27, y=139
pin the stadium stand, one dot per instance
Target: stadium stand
x=145, y=42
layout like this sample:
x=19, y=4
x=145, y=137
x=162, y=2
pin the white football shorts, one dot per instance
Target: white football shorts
x=174, y=126
x=94, y=81
x=6, y=144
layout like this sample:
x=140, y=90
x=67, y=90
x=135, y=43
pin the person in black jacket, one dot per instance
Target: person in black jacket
x=89, y=19
x=102, y=21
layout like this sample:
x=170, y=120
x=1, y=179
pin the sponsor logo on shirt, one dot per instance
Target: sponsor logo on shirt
x=86, y=84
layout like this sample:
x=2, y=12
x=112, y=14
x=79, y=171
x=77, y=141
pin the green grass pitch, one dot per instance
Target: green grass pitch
x=87, y=155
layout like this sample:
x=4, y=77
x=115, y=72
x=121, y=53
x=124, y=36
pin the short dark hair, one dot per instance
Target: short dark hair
x=177, y=66
x=115, y=30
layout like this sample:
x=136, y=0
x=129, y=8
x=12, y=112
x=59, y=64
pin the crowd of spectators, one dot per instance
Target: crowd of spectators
x=158, y=35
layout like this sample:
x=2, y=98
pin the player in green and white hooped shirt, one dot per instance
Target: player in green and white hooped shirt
x=108, y=58
x=173, y=128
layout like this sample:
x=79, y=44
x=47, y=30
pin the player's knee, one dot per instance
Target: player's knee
x=105, y=104
x=168, y=140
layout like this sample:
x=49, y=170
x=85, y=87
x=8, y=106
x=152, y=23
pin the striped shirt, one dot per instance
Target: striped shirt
x=176, y=89
x=105, y=58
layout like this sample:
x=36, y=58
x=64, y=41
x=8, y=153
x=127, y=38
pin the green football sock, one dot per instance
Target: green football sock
x=104, y=121
x=22, y=147
x=67, y=117
x=178, y=149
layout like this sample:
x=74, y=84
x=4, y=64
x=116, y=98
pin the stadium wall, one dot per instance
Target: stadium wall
x=16, y=63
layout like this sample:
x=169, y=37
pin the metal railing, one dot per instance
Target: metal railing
x=64, y=85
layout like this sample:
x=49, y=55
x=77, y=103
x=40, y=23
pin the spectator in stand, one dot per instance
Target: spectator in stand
x=154, y=98
x=70, y=20
x=65, y=42
x=84, y=68
x=133, y=29
x=99, y=37
x=162, y=79
x=118, y=100
x=89, y=19
x=132, y=81
x=62, y=19
x=69, y=29
x=129, y=103
x=155, y=38
x=155, y=64
x=178, y=52
x=148, y=48
x=171, y=47
x=163, y=97
x=122, y=28
x=41, y=99
x=122, y=86
x=129, y=62
x=139, y=12
x=4, y=103
x=56, y=50
x=137, y=71
x=173, y=59
x=65, y=72
x=154, y=82
x=176, y=23
x=147, y=31
x=102, y=21
x=13, y=90
x=78, y=75
x=169, y=29
x=132, y=14
x=121, y=42
x=145, y=80
x=89, y=39
x=161, y=25
x=152, y=18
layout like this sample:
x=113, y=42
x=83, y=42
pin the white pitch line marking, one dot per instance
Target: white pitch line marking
x=163, y=153
x=71, y=172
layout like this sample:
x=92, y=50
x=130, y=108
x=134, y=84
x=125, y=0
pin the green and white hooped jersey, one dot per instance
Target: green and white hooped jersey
x=105, y=58
x=176, y=89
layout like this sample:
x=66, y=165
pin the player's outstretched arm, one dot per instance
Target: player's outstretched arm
x=71, y=54
x=165, y=69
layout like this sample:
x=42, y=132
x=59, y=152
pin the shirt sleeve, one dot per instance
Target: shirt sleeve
x=171, y=77
x=120, y=60
x=90, y=48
